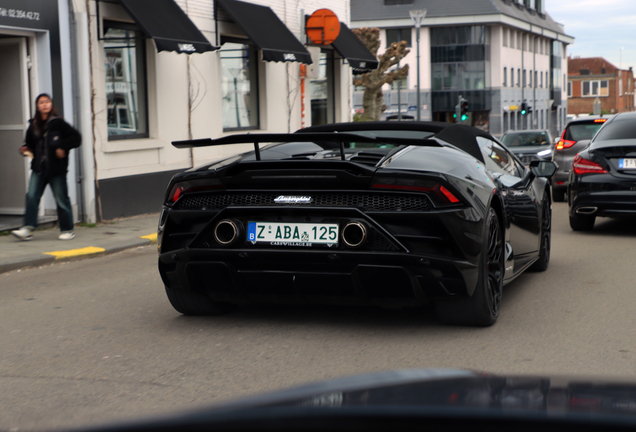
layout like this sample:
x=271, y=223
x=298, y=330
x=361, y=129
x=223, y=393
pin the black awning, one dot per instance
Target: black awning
x=166, y=23
x=351, y=47
x=266, y=31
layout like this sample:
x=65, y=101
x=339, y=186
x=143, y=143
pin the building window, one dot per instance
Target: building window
x=569, y=88
x=239, y=68
x=459, y=76
x=620, y=86
x=125, y=66
x=518, y=77
x=512, y=77
x=525, y=82
x=398, y=35
x=399, y=84
x=505, y=77
x=535, y=79
x=322, y=91
x=593, y=88
x=541, y=80
x=505, y=37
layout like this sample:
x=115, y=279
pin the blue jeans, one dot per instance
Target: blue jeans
x=37, y=184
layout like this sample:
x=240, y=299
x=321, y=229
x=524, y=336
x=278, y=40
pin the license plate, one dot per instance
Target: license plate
x=626, y=163
x=292, y=234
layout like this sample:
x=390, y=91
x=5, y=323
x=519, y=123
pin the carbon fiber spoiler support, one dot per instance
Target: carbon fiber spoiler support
x=340, y=138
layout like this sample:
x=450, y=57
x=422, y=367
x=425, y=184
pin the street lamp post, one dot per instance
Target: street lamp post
x=417, y=16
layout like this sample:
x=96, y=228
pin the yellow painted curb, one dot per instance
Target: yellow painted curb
x=76, y=252
x=151, y=237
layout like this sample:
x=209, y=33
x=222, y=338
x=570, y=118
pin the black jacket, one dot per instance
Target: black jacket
x=57, y=134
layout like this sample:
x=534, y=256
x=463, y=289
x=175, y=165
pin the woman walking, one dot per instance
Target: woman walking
x=48, y=141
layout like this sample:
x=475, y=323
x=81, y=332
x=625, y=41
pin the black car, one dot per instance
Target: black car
x=603, y=176
x=529, y=145
x=373, y=213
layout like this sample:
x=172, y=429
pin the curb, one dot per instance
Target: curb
x=47, y=258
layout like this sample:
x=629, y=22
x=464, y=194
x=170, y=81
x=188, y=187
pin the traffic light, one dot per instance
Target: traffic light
x=464, y=109
x=524, y=108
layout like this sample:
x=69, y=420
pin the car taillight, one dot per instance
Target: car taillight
x=585, y=166
x=193, y=186
x=443, y=195
x=563, y=143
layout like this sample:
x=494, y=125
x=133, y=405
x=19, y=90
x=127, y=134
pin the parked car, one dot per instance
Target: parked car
x=575, y=138
x=603, y=177
x=529, y=145
x=369, y=213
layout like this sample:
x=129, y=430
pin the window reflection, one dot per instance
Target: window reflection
x=239, y=86
x=125, y=84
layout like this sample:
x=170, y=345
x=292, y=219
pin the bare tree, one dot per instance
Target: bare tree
x=373, y=99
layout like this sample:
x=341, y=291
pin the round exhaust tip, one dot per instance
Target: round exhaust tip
x=354, y=234
x=226, y=232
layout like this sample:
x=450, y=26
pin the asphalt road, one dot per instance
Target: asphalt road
x=96, y=341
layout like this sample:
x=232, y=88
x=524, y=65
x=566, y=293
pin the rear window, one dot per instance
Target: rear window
x=582, y=130
x=618, y=129
x=525, y=139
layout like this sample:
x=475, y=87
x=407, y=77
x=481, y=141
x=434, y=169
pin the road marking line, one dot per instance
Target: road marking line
x=151, y=237
x=76, y=252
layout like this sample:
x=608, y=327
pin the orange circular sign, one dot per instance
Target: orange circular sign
x=323, y=27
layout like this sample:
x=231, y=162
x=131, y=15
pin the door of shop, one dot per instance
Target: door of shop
x=14, y=115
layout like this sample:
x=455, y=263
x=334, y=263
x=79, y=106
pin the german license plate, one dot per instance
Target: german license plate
x=626, y=163
x=292, y=234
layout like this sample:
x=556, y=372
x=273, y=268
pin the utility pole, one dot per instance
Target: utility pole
x=417, y=16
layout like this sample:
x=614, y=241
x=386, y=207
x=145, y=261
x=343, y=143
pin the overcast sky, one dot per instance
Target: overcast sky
x=600, y=28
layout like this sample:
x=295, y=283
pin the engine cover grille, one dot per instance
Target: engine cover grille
x=363, y=201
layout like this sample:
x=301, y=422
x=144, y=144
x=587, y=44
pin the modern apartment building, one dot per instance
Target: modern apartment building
x=496, y=54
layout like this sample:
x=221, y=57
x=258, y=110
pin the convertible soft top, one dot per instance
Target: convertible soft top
x=461, y=136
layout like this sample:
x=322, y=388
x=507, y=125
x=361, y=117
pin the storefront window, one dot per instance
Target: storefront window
x=239, y=86
x=124, y=61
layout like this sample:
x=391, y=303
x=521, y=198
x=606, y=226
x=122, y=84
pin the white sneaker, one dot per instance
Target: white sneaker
x=23, y=233
x=68, y=235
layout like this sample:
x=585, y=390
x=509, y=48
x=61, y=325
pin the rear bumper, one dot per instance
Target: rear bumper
x=332, y=277
x=602, y=195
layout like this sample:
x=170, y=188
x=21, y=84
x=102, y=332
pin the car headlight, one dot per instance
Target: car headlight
x=544, y=153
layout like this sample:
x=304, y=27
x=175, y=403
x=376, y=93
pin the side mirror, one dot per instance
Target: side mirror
x=543, y=168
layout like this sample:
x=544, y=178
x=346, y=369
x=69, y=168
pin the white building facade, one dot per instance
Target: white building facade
x=136, y=98
x=497, y=55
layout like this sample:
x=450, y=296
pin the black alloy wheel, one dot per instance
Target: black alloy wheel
x=482, y=308
x=546, y=236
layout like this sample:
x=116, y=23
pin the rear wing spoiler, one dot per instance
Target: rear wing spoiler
x=339, y=138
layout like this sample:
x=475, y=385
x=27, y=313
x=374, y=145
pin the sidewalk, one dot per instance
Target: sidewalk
x=106, y=237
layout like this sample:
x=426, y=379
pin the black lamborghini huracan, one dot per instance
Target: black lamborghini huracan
x=393, y=214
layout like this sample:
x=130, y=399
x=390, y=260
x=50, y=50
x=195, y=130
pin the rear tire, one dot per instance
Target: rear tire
x=582, y=223
x=482, y=308
x=558, y=195
x=193, y=303
x=546, y=236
